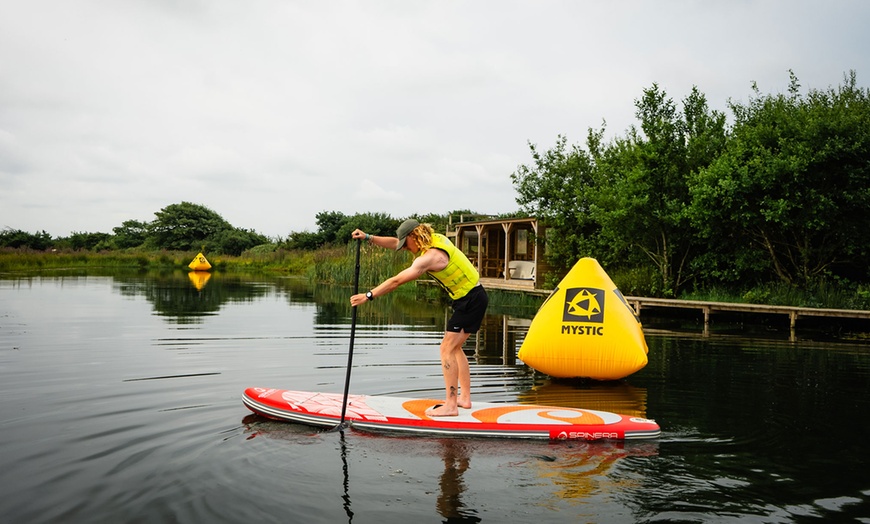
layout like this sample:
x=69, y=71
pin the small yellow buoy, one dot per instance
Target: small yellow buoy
x=199, y=263
x=585, y=329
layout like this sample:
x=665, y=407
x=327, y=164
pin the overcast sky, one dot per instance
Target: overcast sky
x=271, y=111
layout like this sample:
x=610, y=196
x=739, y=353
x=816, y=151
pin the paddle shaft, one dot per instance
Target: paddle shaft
x=352, y=333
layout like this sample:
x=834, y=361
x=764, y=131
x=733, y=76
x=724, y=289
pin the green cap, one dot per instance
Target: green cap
x=405, y=230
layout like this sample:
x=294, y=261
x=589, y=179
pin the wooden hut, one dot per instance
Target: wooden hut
x=508, y=252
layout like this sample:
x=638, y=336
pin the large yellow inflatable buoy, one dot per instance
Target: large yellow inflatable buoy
x=199, y=263
x=585, y=328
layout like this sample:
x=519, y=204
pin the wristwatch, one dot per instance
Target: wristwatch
x=369, y=295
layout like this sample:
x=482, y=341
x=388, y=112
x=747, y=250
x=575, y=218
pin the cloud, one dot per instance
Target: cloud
x=272, y=111
x=377, y=195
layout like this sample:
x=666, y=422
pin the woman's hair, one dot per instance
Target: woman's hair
x=423, y=233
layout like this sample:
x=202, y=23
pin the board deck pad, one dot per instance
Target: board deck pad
x=484, y=419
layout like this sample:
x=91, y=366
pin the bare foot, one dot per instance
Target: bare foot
x=440, y=410
x=462, y=403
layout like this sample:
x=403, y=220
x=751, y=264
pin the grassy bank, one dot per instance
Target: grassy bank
x=822, y=293
x=279, y=261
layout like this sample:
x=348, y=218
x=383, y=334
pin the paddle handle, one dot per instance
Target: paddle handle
x=352, y=333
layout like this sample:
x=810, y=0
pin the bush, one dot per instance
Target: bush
x=15, y=238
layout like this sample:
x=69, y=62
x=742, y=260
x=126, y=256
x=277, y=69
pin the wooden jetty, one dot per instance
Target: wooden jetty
x=705, y=308
x=708, y=308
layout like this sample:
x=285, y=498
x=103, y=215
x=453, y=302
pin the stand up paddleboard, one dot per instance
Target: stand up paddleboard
x=407, y=415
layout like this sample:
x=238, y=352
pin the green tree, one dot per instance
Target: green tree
x=85, y=241
x=335, y=228
x=329, y=225
x=792, y=188
x=234, y=241
x=16, y=238
x=557, y=188
x=185, y=227
x=380, y=224
x=438, y=222
x=131, y=233
x=305, y=240
x=643, y=192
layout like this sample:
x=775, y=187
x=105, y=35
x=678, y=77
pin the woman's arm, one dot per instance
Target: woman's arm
x=431, y=260
x=384, y=242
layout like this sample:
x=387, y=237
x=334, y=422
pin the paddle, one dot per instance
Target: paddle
x=341, y=425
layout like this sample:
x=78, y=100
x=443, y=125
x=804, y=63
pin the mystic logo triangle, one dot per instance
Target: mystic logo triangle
x=583, y=304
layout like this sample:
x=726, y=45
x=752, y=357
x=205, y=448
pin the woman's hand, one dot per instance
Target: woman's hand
x=356, y=300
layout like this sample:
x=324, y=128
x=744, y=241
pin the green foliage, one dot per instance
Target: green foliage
x=261, y=250
x=15, y=238
x=131, y=233
x=822, y=293
x=329, y=223
x=783, y=194
x=188, y=227
x=380, y=224
x=305, y=240
x=640, y=281
x=84, y=241
x=624, y=202
x=559, y=188
x=335, y=228
x=792, y=187
x=438, y=222
x=185, y=227
x=643, y=195
x=234, y=241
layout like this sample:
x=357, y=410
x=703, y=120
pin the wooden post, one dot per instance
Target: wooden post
x=504, y=340
x=479, y=230
x=508, y=228
x=706, y=310
x=792, y=323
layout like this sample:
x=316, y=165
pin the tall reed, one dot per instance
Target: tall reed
x=336, y=265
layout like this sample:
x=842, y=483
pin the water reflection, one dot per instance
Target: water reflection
x=587, y=469
x=187, y=297
x=616, y=396
x=451, y=484
x=345, y=497
x=395, y=309
x=199, y=279
x=471, y=474
x=499, y=339
x=184, y=297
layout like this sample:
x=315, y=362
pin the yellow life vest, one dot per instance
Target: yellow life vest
x=459, y=276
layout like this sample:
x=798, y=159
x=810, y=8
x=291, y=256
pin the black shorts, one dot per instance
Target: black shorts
x=468, y=311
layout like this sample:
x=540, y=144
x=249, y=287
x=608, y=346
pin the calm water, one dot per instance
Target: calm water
x=121, y=403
